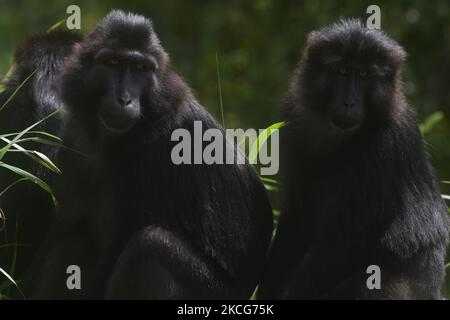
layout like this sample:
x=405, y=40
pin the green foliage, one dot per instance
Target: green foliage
x=17, y=90
x=12, y=143
x=11, y=280
x=431, y=121
x=261, y=140
x=56, y=25
x=219, y=85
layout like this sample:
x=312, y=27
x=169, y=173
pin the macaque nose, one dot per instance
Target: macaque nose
x=349, y=104
x=125, y=100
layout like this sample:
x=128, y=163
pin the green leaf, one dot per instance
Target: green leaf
x=17, y=137
x=269, y=180
x=14, y=258
x=2, y=219
x=32, y=132
x=56, y=25
x=270, y=187
x=38, y=140
x=17, y=89
x=11, y=185
x=51, y=143
x=29, y=177
x=430, y=122
x=12, y=281
x=262, y=138
x=254, y=294
x=10, y=70
x=8, y=73
x=36, y=156
x=219, y=85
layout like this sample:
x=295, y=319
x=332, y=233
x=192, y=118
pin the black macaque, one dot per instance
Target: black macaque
x=137, y=225
x=359, y=189
x=28, y=208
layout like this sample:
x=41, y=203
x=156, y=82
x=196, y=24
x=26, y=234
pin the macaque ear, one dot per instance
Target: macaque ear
x=317, y=47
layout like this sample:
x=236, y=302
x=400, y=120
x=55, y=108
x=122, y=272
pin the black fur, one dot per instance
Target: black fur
x=27, y=207
x=354, y=198
x=138, y=225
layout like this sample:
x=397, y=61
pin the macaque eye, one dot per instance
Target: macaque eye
x=363, y=73
x=343, y=70
x=139, y=65
x=113, y=61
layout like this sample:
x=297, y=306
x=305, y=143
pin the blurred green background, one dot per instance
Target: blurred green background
x=259, y=43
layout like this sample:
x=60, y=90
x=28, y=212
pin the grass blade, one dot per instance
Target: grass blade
x=270, y=187
x=17, y=89
x=8, y=73
x=17, y=137
x=56, y=25
x=219, y=84
x=431, y=121
x=262, y=138
x=12, y=281
x=32, y=132
x=29, y=177
x=36, y=156
x=12, y=185
x=269, y=180
x=37, y=140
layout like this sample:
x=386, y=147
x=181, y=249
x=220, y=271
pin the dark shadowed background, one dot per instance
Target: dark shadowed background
x=258, y=44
